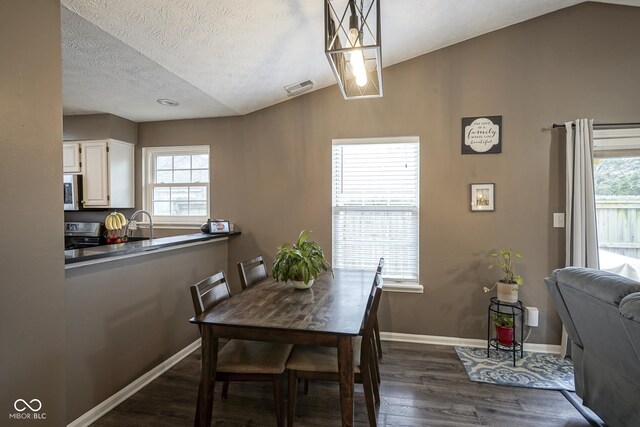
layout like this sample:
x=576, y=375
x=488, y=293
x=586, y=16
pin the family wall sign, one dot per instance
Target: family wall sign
x=482, y=135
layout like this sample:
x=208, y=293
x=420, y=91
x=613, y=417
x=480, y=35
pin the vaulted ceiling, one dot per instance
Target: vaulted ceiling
x=229, y=57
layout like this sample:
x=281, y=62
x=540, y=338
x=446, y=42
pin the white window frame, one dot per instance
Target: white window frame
x=616, y=140
x=148, y=169
x=616, y=143
x=389, y=284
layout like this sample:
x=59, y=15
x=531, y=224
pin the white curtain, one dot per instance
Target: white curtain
x=581, y=232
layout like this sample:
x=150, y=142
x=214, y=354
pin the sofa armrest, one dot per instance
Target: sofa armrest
x=630, y=316
x=607, y=287
x=630, y=307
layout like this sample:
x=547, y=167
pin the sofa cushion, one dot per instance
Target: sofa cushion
x=608, y=287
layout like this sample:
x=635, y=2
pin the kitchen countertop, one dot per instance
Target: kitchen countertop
x=123, y=249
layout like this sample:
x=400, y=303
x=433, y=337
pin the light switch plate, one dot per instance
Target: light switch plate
x=558, y=220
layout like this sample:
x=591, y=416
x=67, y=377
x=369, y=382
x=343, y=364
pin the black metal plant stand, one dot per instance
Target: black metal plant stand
x=515, y=310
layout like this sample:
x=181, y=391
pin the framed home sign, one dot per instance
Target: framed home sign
x=482, y=135
x=483, y=197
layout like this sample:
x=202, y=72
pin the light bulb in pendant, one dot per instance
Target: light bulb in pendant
x=356, y=59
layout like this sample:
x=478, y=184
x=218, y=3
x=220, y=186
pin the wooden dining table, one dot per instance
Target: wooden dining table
x=330, y=313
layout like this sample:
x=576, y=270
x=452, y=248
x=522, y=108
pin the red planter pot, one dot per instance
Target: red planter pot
x=505, y=335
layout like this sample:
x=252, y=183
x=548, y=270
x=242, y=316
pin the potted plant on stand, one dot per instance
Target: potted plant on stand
x=506, y=260
x=504, y=328
x=300, y=262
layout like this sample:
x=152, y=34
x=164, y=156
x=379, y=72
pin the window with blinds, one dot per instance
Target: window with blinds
x=375, y=188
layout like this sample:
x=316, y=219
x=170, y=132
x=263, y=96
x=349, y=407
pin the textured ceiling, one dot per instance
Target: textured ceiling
x=228, y=57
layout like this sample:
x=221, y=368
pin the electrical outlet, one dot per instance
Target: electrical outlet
x=558, y=220
x=133, y=225
x=531, y=316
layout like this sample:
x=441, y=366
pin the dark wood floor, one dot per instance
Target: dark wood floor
x=422, y=385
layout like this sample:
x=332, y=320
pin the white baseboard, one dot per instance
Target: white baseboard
x=101, y=409
x=452, y=341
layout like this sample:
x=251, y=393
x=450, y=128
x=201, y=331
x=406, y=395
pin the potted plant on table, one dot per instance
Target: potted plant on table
x=505, y=260
x=504, y=328
x=300, y=262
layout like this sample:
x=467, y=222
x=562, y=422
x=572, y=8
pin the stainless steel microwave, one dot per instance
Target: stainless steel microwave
x=72, y=188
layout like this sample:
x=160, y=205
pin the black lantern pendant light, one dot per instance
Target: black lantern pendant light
x=353, y=46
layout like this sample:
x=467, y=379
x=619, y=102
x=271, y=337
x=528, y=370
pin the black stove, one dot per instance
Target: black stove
x=78, y=235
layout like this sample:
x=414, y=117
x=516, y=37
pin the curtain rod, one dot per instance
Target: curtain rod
x=555, y=125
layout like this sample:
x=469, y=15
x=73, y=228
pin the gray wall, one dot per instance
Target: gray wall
x=89, y=126
x=124, y=318
x=271, y=169
x=99, y=126
x=31, y=261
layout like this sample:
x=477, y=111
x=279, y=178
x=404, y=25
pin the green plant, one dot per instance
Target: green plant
x=505, y=260
x=503, y=319
x=299, y=261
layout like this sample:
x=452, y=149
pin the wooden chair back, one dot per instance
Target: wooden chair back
x=377, y=283
x=209, y=292
x=252, y=271
x=371, y=316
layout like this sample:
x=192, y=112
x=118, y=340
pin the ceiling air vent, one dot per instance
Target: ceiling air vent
x=298, y=88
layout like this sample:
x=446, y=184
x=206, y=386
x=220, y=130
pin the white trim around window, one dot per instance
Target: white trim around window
x=176, y=185
x=375, y=204
x=616, y=139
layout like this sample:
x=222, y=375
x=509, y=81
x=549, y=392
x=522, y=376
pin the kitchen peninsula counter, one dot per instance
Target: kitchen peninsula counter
x=97, y=254
x=127, y=311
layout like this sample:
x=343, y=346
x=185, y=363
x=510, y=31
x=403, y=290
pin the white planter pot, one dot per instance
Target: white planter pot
x=507, y=292
x=299, y=284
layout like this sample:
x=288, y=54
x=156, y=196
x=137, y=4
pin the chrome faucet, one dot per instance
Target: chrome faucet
x=126, y=229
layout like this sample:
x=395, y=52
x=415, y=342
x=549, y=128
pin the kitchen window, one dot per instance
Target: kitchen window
x=176, y=184
x=375, y=204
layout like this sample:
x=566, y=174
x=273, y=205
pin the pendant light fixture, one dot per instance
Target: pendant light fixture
x=353, y=46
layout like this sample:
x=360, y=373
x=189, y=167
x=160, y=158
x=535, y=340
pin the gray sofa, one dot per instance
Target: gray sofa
x=601, y=312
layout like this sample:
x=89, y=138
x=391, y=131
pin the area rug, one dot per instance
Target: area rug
x=534, y=370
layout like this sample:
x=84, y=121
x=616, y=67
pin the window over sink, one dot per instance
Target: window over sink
x=175, y=184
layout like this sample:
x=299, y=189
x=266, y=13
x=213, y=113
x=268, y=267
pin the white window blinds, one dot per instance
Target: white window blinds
x=376, y=190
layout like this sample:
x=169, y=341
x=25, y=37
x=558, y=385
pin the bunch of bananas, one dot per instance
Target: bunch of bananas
x=115, y=221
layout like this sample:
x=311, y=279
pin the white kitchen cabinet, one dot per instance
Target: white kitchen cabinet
x=71, y=162
x=108, y=174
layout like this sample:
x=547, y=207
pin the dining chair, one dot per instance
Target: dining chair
x=376, y=328
x=321, y=363
x=376, y=346
x=243, y=360
x=252, y=271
